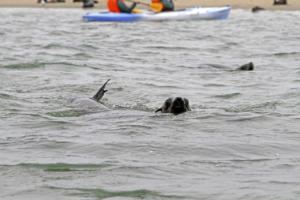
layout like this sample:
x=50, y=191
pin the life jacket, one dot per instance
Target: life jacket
x=112, y=6
x=158, y=1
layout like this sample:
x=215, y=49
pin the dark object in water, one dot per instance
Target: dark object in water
x=246, y=67
x=98, y=96
x=175, y=105
x=280, y=2
x=257, y=8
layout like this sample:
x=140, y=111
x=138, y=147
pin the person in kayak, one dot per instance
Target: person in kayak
x=119, y=6
x=168, y=5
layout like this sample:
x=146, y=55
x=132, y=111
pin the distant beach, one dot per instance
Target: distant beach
x=236, y=4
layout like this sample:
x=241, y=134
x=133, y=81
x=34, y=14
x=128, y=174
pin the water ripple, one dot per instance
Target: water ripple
x=239, y=141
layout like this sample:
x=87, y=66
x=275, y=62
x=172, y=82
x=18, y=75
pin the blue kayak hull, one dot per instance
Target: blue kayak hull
x=112, y=17
x=196, y=13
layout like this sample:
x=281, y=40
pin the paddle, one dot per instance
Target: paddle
x=157, y=7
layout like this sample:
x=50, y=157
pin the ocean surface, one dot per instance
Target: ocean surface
x=240, y=141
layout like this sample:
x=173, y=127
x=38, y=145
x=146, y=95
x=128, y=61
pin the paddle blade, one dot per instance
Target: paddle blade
x=136, y=11
x=157, y=7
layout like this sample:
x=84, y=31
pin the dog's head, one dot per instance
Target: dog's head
x=175, y=105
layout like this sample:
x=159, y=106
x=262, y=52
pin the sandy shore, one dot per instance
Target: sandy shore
x=244, y=4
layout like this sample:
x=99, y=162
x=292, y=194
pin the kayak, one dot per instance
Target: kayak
x=195, y=13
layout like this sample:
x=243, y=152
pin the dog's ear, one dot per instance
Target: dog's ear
x=187, y=104
x=167, y=105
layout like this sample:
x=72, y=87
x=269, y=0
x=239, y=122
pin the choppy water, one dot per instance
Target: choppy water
x=241, y=140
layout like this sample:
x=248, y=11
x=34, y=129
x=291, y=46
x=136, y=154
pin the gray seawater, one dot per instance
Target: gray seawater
x=240, y=141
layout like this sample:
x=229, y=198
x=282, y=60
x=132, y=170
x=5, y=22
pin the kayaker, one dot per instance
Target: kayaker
x=168, y=5
x=119, y=6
